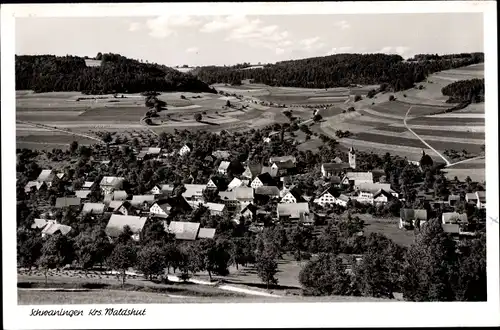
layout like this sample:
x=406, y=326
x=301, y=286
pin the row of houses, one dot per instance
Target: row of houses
x=452, y=222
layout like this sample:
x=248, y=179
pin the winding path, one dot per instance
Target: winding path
x=448, y=164
x=423, y=141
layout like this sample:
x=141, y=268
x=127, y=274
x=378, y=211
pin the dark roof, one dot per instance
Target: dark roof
x=267, y=190
x=335, y=166
x=255, y=169
x=67, y=201
x=286, y=165
x=297, y=194
x=221, y=183
x=413, y=214
x=266, y=179
x=177, y=202
x=335, y=179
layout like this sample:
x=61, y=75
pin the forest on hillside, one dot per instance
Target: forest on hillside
x=342, y=70
x=471, y=90
x=116, y=74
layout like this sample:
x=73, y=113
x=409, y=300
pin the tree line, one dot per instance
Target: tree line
x=341, y=70
x=116, y=74
x=471, y=90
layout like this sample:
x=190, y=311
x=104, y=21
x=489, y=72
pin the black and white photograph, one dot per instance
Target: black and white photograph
x=180, y=157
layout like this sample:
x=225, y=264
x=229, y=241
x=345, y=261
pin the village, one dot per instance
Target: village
x=242, y=197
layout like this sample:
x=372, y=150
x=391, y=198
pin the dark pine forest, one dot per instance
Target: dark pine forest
x=342, y=70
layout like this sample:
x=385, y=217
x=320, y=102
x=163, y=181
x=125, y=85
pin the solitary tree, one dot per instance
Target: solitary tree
x=122, y=258
x=198, y=117
x=57, y=251
x=267, y=267
x=151, y=260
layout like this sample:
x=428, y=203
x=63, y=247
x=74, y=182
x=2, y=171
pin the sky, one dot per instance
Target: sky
x=228, y=40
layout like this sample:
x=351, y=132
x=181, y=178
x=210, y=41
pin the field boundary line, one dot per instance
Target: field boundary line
x=465, y=160
x=423, y=141
x=60, y=130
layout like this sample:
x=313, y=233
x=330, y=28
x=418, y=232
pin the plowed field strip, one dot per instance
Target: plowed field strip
x=438, y=145
x=479, y=129
x=446, y=121
x=435, y=133
x=409, y=135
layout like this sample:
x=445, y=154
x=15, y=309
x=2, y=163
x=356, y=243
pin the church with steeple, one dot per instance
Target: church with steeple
x=352, y=158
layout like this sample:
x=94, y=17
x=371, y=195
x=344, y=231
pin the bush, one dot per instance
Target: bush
x=357, y=98
x=351, y=109
x=392, y=98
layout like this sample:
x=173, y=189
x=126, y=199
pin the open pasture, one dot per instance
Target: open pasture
x=435, y=133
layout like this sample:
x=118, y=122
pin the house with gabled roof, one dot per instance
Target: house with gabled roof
x=88, y=185
x=282, y=159
x=269, y=191
x=333, y=169
x=223, y=166
x=251, y=171
x=186, y=231
x=217, y=183
x=194, y=192
x=140, y=200
x=94, y=208
x=412, y=218
x=53, y=227
x=453, y=200
x=184, y=150
x=357, y=178
x=272, y=170
x=293, y=196
x=109, y=184
x=206, y=233
x=63, y=202
x=41, y=223
x=153, y=151
x=117, y=223
x=327, y=197
x=160, y=208
x=264, y=179
x=214, y=208
x=221, y=154
x=481, y=199
x=34, y=185
x=374, y=187
x=471, y=198
x=235, y=183
x=47, y=176
x=293, y=212
x=120, y=207
x=454, y=218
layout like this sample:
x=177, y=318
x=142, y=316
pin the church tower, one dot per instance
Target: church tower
x=352, y=158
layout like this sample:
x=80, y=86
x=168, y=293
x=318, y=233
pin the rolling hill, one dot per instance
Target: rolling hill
x=115, y=74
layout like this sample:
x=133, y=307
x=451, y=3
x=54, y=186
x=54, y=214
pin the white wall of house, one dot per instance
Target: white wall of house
x=256, y=183
x=156, y=209
x=325, y=199
x=274, y=170
x=288, y=198
x=211, y=185
x=184, y=150
x=156, y=190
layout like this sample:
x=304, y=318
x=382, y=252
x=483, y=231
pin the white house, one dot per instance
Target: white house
x=453, y=218
x=117, y=222
x=332, y=169
x=264, y=179
x=412, y=218
x=471, y=198
x=325, y=198
x=194, y=192
x=376, y=187
x=224, y=165
x=160, y=208
x=357, y=178
x=214, y=208
x=156, y=190
x=121, y=207
x=47, y=176
x=293, y=196
x=293, y=212
x=481, y=199
x=184, y=150
x=110, y=183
